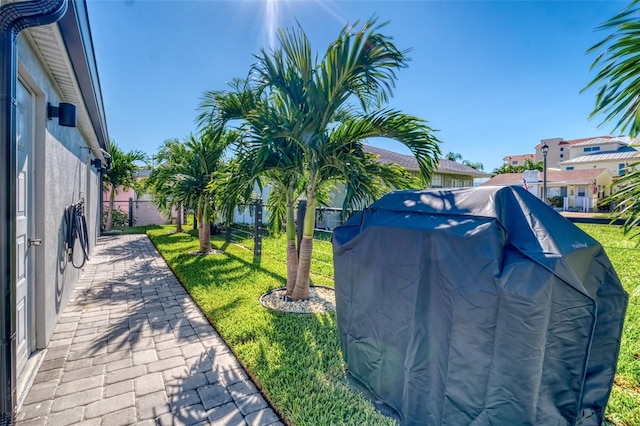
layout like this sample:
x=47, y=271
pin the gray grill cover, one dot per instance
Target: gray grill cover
x=477, y=307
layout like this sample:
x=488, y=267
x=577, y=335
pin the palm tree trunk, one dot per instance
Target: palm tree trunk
x=203, y=233
x=199, y=214
x=205, y=237
x=112, y=196
x=292, y=253
x=301, y=289
x=180, y=215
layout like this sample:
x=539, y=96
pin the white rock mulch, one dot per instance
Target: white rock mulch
x=321, y=300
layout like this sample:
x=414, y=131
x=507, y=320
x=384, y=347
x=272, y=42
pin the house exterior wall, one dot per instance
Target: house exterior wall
x=615, y=167
x=557, y=152
x=62, y=176
x=577, y=151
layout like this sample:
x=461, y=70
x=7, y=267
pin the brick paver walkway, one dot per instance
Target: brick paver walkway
x=133, y=348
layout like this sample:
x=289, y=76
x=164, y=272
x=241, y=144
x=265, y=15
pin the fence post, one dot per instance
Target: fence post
x=257, y=231
x=302, y=209
x=130, y=212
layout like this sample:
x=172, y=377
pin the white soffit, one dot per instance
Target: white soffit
x=48, y=42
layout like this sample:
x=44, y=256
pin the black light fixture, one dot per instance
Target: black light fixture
x=98, y=163
x=545, y=151
x=65, y=112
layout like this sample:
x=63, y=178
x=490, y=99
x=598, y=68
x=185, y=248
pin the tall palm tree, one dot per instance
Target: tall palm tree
x=359, y=66
x=261, y=155
x=121, y=174
x=618, y=98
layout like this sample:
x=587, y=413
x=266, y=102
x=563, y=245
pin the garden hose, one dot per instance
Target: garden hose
x=76, y=229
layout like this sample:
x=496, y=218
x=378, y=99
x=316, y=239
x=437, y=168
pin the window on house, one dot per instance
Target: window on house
x=582, y=190
x=561, y=149
x=561, y=155
x=514, y=162
x=436, y=181
x=621, y=169
x=587, y=149
x=569, y=167
x=595, y=148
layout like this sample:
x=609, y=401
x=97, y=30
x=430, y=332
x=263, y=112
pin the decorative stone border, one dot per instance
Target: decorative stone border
x=321, y=300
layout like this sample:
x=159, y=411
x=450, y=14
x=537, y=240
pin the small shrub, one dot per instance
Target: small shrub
x=120, y=218
x=556, y=201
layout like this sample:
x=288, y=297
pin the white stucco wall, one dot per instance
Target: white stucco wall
x=62, y=176
x=612, y=166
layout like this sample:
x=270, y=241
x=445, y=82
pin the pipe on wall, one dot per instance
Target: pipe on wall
x=14, y=17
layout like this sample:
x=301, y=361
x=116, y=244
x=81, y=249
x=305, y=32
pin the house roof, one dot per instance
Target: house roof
x=623, y=153
x=602, y=140
x=66, y=51
x=553, y=177
x=576, y=141
x=409, y=162
x=76, y=33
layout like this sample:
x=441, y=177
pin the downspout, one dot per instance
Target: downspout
x=14, y=17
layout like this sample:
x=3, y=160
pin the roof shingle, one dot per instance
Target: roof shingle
x=409, y=162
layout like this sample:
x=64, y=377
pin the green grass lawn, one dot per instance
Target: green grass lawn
x=624, y=404
x=296, y=359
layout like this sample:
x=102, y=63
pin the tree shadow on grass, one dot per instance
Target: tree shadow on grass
x=304, y=351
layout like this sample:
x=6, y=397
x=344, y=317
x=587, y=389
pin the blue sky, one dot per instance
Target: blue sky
x=493, y=77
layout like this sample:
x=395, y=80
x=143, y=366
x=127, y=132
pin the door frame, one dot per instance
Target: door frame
x=30, y=305
x=36, y=219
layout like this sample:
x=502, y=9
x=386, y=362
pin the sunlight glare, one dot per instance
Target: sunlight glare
x=271, y=15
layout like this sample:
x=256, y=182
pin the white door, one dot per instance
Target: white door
x=581, y=197
x=25, y=337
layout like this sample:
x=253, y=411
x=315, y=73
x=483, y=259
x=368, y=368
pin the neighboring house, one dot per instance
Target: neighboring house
x=561, y=150
x=449, y=174
x=56, y=168
x=580, y=189
x=614, y=154
x=518, y=160
x=558, y=149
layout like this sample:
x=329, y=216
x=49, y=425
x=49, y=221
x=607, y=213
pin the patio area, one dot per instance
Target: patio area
x=132, y=348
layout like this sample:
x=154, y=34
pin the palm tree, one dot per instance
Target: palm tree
x=120, y=174
x=457, y=157
x=327, y=128
x=261, y=155
x=453, y=156
x=618, y=97
x=161, y=182
x=188, y=168
x=474, y=164
x=528, y=164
